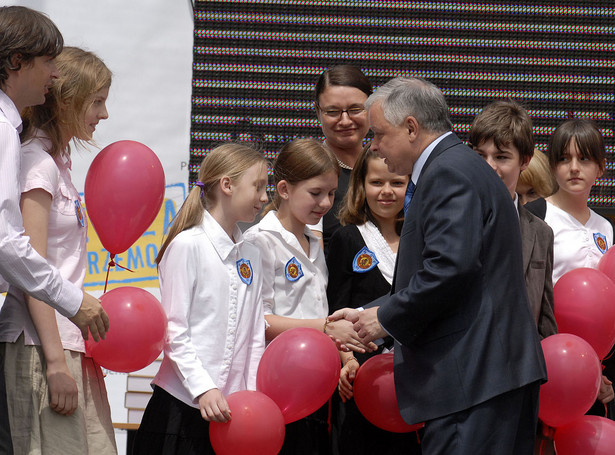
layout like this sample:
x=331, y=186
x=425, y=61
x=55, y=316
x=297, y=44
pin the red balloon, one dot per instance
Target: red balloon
x=588, y=435
x=124, y=190
x=256, y=426
x=584, y=305
x=607, y=264
x=374, y=393
x=574, y=375
x=137, y=327
x=299, y=370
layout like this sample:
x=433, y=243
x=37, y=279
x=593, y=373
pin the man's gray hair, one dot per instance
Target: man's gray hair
x=409, y=96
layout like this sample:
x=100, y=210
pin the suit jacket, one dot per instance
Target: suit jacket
x=537, y=243
x=459, y=309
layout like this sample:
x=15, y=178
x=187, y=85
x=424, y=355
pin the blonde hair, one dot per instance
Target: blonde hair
x=81, y=75
x=227, y=160
x=354, y=208
x=299, y=160
x=538, y=175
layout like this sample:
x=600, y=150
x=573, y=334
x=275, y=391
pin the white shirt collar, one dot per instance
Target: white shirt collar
x=220, y=240
x=418, y=166
x=10, y=111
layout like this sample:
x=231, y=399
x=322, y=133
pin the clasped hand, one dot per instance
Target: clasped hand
x=366, y=326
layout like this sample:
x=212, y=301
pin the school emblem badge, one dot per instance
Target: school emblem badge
x=600, y=240
x=364, y=261
x=293, y=269
x=244, y=270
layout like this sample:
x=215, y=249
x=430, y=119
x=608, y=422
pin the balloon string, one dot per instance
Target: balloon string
x=112, y=263
x=418, y=437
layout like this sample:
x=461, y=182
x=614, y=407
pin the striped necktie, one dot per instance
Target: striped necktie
x=408, y=196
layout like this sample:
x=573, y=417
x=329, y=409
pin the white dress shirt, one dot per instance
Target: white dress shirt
x=301, y=297
x=20, y=264
x=577, y=245
x=66, y=241
x=216, y=331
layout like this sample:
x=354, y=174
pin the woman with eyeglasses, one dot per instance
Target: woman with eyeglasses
x=340, y=94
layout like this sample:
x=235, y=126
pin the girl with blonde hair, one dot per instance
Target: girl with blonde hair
x=210, y=283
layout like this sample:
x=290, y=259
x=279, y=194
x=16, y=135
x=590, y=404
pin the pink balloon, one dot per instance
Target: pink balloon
x=374, y=393
x=588, y=435
x=124, y=190
x=299, y=370
x=574, y=375
x=584, y=305
x=256, y=426
x=607, y=264
x=137, y=327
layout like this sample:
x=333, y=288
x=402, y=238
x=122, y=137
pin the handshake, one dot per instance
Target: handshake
x=355, y=330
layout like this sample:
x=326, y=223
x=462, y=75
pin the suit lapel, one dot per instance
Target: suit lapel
x=528, y=235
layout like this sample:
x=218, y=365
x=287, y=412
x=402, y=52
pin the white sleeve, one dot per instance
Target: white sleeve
x=20, y=264
x=267, y=253
x=177, y=272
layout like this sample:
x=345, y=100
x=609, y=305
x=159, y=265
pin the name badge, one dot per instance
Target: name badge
x=79, y=213
x=244, y=270
x=293, y=269
x=600, y=241
x=364, y=261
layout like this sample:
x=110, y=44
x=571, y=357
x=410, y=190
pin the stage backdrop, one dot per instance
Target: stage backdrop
x=256, y=63
x=148, y=47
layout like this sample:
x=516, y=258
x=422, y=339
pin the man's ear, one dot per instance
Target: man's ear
x=412, y=126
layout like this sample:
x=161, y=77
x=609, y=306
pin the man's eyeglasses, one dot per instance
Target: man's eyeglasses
x=337, y=113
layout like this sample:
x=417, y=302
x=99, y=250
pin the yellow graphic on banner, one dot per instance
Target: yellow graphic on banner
x=140, y=258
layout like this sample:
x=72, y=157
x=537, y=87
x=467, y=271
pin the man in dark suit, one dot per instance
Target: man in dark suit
x=468, y=360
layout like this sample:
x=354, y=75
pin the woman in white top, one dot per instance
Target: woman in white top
x=295, y=290
x=57, y=397
x=577, y=158
x=210, y=283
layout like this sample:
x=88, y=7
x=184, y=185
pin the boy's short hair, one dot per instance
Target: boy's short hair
x=505, y=122
x=28, y=33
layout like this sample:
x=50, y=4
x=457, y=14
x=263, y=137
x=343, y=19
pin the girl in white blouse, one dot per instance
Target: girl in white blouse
x=295, y=288
x=57, y=397
x=210, y=283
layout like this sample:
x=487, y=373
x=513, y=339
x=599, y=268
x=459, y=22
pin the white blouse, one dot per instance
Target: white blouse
x=211, y=292
x=295, y=285
x=66, y=241
x=577, y=245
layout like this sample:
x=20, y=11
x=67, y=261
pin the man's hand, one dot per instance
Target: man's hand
x=367, y=327
x=365, y=323
x=91, y=316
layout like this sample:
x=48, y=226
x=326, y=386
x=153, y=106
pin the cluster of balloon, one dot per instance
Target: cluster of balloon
x=584, y=307
x=299, y=370
x=124, y=190
x=587, y=435
x=138, y=326
x=374, y=394
x=256, y=426
x=574, y=373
